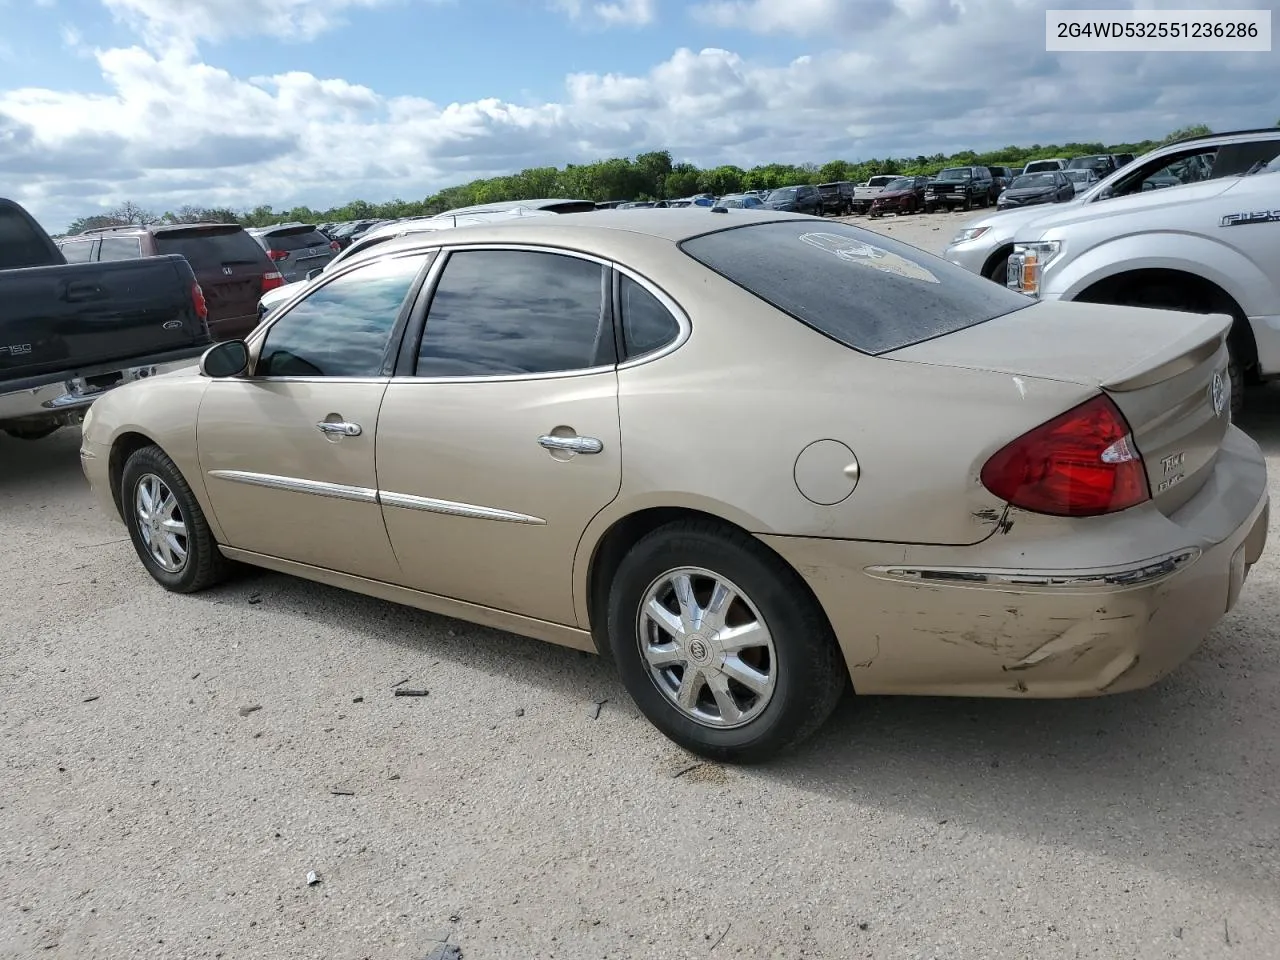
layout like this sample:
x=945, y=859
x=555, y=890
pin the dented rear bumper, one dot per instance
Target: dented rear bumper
x=1035, y=611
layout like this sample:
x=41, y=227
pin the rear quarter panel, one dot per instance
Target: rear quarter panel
x=718, y=425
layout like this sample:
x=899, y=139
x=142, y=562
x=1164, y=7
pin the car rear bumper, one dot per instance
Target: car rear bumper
x=922, y=620
x=66, y=400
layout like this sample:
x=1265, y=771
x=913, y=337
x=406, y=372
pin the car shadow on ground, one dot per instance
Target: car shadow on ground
x=30, y=465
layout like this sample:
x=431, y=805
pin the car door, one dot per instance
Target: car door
x=502, y=441
x=287, y=451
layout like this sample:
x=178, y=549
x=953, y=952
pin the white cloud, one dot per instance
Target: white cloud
x=173, y=129
x=165, y=24
x=631, y=13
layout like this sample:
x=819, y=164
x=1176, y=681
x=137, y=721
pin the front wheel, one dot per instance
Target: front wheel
x=721, y=644
x=168, y=529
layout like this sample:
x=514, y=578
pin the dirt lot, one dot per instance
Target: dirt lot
x=147, y=811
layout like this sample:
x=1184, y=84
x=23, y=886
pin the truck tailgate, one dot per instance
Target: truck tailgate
x=74, y=316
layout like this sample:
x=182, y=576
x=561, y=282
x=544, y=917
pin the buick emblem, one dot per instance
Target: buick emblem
x=227, y=270
x=1218, y=391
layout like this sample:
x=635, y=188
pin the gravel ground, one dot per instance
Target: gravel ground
x=146, y=811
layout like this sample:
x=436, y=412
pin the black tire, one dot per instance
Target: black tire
x=809, y=670
x=204, y=564
x=32, y=433
x=998, y=272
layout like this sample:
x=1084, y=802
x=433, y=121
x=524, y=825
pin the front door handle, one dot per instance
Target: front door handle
x=572, y=444
x=339, y=429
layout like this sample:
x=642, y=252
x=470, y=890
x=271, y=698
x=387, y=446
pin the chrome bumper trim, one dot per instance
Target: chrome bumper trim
x=1132, y=575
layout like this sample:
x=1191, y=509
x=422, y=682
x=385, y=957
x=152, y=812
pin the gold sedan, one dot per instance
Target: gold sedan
x=749, y=456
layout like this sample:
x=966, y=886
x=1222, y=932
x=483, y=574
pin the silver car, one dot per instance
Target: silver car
x=295, y=248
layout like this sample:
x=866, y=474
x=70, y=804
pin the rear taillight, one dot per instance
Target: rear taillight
x=1080, y=464
x=272, y=280
x=333, y=245
x=197, y=302
x=278, y=254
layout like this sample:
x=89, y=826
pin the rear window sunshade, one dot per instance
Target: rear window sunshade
x=863, y=290
x=212, y=247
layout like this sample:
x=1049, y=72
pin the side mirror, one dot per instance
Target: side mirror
x=312, y=274
x=227, y=359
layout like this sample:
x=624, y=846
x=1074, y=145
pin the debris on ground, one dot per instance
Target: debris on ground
x=444, y=951
x=252, y=708
x=312, y=878
x=91, y=699
x=594, y=710
x=519, y=711
x=255, y=598
x=410, y=692
x=357, y=699
x=342, y=791
x=688, y=768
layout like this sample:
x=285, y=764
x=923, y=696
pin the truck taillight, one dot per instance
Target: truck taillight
x=333, y=245
x=1081, y=464
x=272, y=280
x=278, y=254
x=198, y=303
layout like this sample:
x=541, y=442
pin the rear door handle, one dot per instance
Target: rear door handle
x=572, y=444
x=339, y=429
x=80, y=290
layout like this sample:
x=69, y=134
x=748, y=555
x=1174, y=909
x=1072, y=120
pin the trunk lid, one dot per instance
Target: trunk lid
x=1166, y=371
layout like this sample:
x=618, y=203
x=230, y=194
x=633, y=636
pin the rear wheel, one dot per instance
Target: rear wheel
x=721, y=644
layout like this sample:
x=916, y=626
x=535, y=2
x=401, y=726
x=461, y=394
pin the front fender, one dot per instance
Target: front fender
x=1199, y=256
x=163, y=409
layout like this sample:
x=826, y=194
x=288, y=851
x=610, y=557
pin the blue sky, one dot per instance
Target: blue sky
x=240, y=102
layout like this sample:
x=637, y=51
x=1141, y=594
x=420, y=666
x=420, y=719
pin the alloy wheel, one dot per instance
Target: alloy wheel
x=707, y=648
x=161, y=525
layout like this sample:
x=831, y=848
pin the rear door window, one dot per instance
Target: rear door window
x=120, y=248
x=211, y=249
x=513, y=312
x=78, y=251
x=866, y=291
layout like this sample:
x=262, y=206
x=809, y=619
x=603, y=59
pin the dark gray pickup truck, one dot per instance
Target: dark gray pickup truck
x=68, y=332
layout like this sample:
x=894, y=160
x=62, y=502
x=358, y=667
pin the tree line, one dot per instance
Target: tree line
x=648, y=176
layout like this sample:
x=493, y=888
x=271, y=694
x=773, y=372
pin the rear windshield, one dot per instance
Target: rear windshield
x=296, y=239
x=860, y=289
x=1033, y=180
x=211, y=248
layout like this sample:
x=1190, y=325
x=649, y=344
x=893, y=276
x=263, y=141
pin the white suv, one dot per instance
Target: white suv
x=1182, y=237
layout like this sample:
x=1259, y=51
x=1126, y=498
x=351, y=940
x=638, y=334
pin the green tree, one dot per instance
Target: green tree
x=1182, y=133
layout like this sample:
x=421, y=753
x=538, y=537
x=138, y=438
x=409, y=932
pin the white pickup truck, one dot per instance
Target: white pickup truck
x=1186, y=239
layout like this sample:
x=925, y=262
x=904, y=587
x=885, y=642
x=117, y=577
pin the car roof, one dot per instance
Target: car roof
x=602, y=230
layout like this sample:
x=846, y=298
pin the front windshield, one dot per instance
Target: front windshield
x=902, y=183
x=786, y=193
x=956, y=173
x=1041, y=180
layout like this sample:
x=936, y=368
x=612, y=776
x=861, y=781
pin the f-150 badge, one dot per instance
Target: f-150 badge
x=1257, y=216
x=16, y=349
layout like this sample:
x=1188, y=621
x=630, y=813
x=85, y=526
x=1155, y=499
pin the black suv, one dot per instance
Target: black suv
x=1001, y=176
x=964, y=187
x=837, y=197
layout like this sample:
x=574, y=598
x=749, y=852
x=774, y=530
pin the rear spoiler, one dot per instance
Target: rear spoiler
x=1175, y=357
